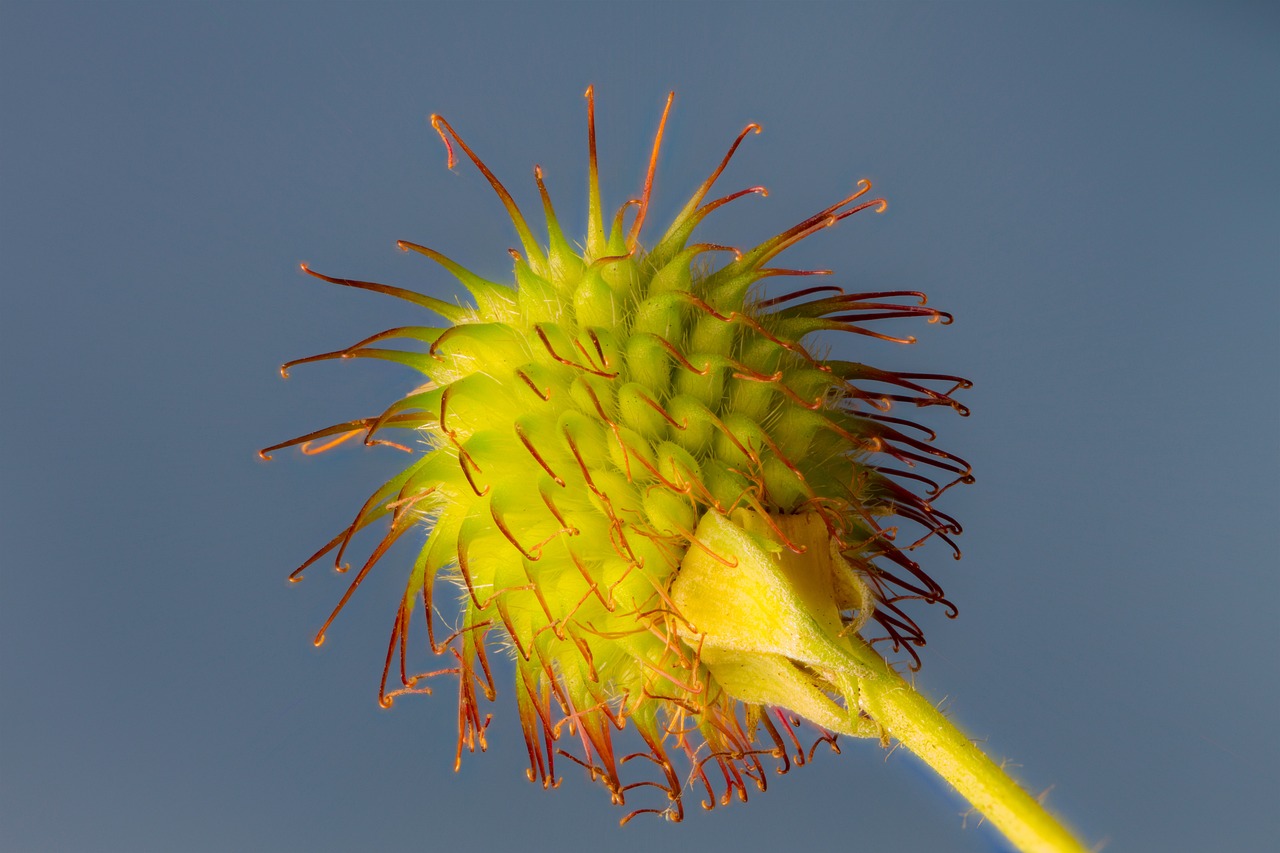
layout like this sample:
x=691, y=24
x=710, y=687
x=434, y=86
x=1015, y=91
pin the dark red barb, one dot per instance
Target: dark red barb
x=720, y=202
x=934, y=488
x=373, y=509
x=360, y=348
x=546, y=343
x=517, y=218
x=852, y=372
x=648, y=180
x=709, y=182
x=880, y=204
x=533, y=451
x=866, y=313
x=355, y=427
x=797, y=294
x=822, y=219
x=877, y=416
x=398, y=292
x=766, y=272
x=396, y=531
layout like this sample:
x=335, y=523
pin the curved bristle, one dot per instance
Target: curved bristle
x=452, y=313
x=536, y=258
x=648, y=178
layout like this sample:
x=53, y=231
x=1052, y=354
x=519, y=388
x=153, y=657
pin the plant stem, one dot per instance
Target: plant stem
x=770, y=630
x=920, y=727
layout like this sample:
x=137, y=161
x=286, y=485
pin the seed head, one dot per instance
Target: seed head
x=619, y=413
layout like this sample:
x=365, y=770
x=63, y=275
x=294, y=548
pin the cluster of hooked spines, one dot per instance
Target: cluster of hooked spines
x=580, y=423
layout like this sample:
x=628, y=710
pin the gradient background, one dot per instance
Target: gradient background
x=1092, y=190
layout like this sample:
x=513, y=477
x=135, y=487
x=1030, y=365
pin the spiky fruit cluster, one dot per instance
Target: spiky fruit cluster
x=579, y=424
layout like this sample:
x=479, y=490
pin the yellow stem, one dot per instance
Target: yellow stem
x=920, y=727
x=770, y=629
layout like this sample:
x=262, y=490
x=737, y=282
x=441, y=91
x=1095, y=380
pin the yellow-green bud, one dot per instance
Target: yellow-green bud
x=652, y=492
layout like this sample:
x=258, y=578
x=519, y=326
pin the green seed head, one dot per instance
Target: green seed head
x=618, y=412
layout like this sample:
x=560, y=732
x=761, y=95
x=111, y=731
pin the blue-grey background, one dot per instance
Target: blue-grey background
x=1091, y=189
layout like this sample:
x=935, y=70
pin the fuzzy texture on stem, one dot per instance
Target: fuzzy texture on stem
x=770, y=632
